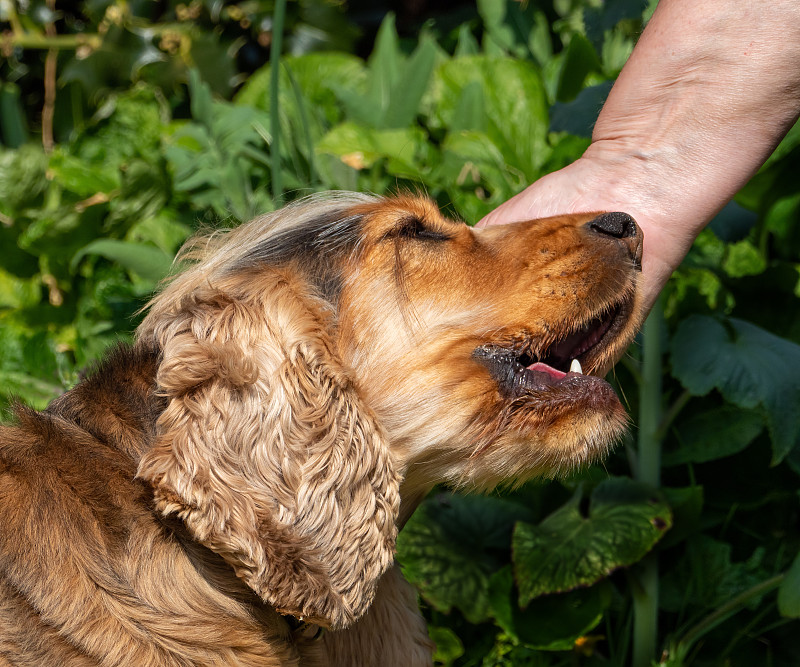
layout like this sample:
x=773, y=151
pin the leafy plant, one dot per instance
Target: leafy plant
x=684, y=547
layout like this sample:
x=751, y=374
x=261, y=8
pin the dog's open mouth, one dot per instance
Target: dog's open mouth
x=531, y=366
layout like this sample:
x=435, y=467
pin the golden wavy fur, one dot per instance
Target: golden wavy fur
x=234, y=482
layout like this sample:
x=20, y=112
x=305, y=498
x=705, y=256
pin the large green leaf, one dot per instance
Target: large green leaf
x=515, y=105
x=516, y=28
x=360, y=147
x=452, y=545
x=31, y=367
x=714, y=434
x=83, y=179
x=405, y=96
x=550, y=622
x=149, y=262
x=580, y=60
x=751, y=368
x=317, y=75
x=474, y=173
x=569, y=550
x=579, y=115
x=706, y=576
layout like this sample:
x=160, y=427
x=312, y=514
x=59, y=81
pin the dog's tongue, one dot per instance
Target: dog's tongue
x=539, y=367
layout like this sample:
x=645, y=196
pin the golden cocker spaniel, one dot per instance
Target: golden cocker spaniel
x=231, y=486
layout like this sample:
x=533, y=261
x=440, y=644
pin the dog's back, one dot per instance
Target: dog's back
x=89, y=574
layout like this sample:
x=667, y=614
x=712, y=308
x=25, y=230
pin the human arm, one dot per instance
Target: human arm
x=707, y=94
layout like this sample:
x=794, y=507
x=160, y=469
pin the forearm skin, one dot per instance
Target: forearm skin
x=707, y=94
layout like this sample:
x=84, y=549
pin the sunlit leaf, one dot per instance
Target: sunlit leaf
x=360, y=147
x=149, y=262
x=568, y=550
x=514, y=101
x=448, y=646
x=452, y=545
x=744, y=259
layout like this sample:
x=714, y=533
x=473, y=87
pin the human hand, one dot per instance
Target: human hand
x=687, y=123
x=590, y=185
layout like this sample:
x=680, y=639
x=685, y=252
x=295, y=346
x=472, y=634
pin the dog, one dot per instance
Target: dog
x=228, y=489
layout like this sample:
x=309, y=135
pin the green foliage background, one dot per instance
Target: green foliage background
x=161, y=118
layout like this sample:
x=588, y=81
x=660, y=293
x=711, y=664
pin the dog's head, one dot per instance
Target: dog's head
x=314, y=358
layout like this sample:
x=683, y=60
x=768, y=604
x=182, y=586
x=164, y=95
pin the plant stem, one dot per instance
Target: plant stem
x=650, y=400
x=645, y=596
x=50, y=71
x=728, y=609
x=672, y=413
x=274, y=109
x=36, y=41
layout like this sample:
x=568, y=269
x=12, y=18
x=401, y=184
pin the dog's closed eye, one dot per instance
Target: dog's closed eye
x=414, y=227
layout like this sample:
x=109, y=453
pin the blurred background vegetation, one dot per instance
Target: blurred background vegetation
x=125, y=125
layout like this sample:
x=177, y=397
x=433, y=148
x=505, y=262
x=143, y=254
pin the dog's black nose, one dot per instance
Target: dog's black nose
x=619, y=225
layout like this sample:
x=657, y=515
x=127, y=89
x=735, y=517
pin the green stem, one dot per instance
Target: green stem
x=28, y=40
x=274, y=110
x=732, y=606
x=645, y=597
x=672, y=413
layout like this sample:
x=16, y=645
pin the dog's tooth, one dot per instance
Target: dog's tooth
x=575, y=367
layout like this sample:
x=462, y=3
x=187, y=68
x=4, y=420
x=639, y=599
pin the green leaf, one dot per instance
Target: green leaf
x=580, y=60
x=317, y=76
x=515, y=105
x=733, y=223
x=743, y=259
x=475, y=174
x=31, y=367
x=384, y=67
x=118, y=60
x=19, y=292
x=551, y=622
x=162, y=230
x=13, y=128
x=76, y=175
x=714, y=434
x=452, y=545
x=360, y=147
x=567, y=550
x=149, y=262
x=469, y=113
x=789, y=592
x=406, y=94
x=22, y=179
x=751, y=368
x=448, y=646
x=580, y=114
x=686, y=504
x=706, y=577
x=212, y=58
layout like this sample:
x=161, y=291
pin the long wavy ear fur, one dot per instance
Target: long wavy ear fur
x=266, y=451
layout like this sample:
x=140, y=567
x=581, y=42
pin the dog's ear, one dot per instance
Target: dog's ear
x=267, y=453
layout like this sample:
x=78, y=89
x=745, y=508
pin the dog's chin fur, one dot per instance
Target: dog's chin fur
x=233, y=483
